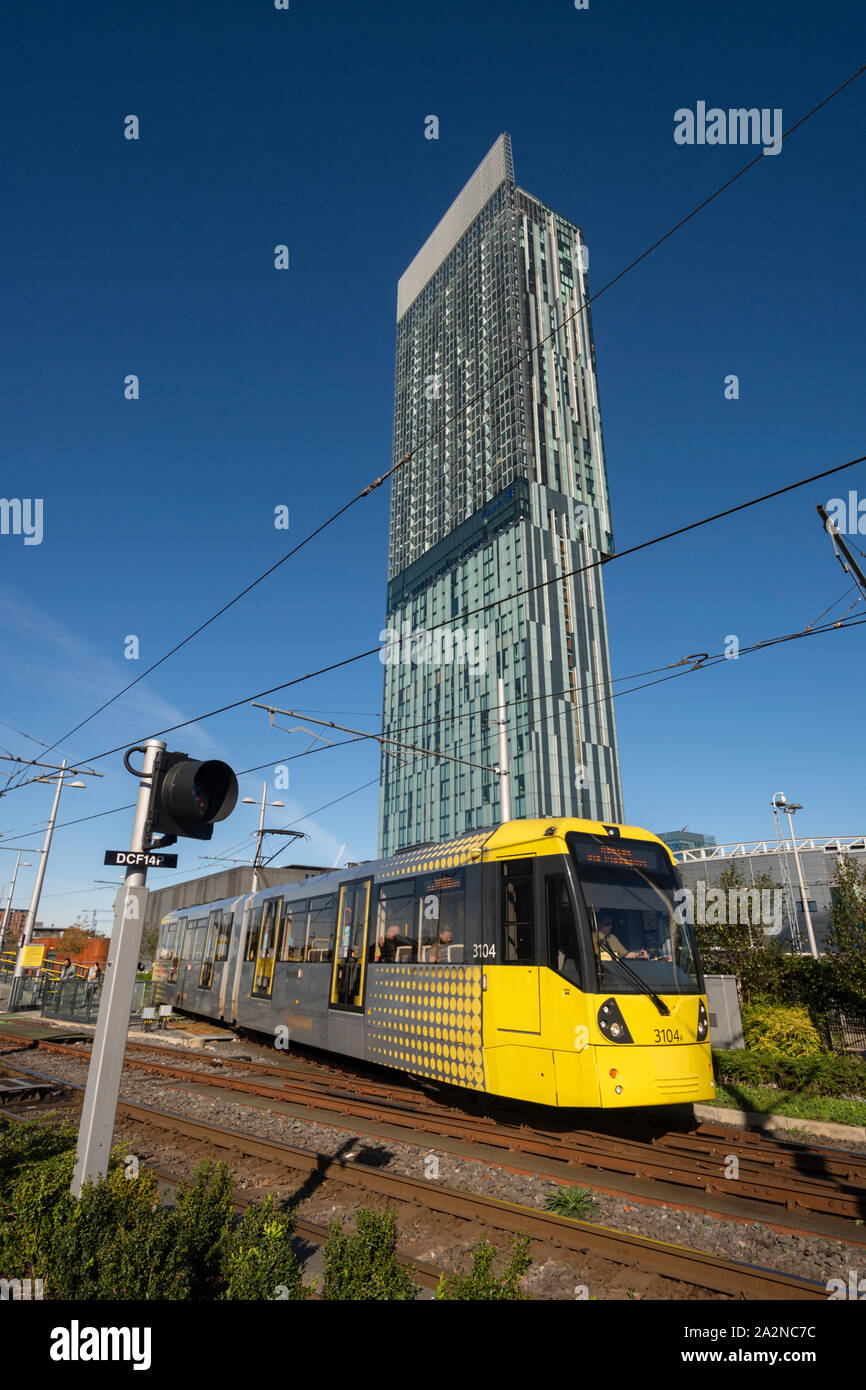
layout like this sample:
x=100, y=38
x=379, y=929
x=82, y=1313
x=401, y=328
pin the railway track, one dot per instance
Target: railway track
x=798, y=1189
x=703, y=1271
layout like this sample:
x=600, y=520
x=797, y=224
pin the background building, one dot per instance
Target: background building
x=685, y=839
x=753, y=858
x=506, y=489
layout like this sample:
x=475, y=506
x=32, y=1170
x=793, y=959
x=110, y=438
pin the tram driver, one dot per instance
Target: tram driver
x=606, y=939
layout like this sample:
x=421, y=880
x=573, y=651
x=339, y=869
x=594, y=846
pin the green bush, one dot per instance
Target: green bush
x=364, y=1266
x=198, y=1227
x=33, y=1214
x=23, y=1143
x=766, y=974
x=112, y=1243
x=117, y=1242
x=776, y=1028
x=259, y=1261
x=814, y=1075
x=482, y=1284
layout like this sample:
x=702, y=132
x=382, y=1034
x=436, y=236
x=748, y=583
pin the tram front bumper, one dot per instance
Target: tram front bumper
x=666, y=1074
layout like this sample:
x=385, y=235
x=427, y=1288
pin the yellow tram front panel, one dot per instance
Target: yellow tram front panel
x=664, y=1064
x=542, y=1043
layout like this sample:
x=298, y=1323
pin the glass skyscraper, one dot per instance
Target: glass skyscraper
x=496, y=401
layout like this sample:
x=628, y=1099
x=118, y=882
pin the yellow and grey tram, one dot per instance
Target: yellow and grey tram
x=543, y=960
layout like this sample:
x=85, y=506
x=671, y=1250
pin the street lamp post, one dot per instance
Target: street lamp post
x=789, y=807
x=40, y=872
x=261, y=832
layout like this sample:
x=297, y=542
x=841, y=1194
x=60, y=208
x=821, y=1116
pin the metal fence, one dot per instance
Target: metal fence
x=74, y=1000
x=78, y=1000
x=846, y=1031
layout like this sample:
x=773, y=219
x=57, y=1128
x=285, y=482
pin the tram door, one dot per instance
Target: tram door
x=350, y=957
x=263, y=978
x=178, y=952
x=206, y=977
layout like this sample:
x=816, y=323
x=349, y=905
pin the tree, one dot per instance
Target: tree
x=74, y=940
x=149, y=939
x=731, y=938
x=846, y=933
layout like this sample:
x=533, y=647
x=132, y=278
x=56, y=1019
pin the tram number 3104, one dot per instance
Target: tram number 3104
x=667, y=1035
x=483, y=952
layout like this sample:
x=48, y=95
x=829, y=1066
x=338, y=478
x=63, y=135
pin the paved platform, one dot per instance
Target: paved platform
x=31, y=1029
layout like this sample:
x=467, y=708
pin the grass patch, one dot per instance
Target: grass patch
x=770, y=1101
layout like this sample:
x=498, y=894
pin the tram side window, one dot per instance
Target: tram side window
x=293, y=930
x=252, y=947
x=396, y=937
x=224, y=932
x=167, y=943
x=323, y=928
x=198, y=936
x=442, y=899
x=517, y=916
x=562, y=948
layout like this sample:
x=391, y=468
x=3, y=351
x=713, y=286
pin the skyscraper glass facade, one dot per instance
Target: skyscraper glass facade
x=496, y=401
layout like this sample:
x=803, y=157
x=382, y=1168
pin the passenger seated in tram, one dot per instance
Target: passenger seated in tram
x=388, y=945
x=437, y=947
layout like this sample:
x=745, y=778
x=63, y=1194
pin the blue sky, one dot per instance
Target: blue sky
x=261, y=388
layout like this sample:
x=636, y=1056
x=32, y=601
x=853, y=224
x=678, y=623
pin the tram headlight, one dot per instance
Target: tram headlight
x=612, y=1024
x=703, y=1022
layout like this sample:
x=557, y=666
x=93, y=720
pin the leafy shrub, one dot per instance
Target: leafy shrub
x=481, y=1283
x=198, y=1227
x=576, y=1202
x=33, y=1213
x=112, y=1242
x=781, y=1029
x=259, y=1258
x=117, y=1242
x=22, y=1144
x=814, y=1075
x=364, y=1266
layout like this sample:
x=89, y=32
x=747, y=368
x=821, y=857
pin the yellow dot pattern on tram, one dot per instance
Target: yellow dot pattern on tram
x=452, y=853
x=427, y=1019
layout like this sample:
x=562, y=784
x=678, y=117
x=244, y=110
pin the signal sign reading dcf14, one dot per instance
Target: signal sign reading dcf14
x=190, y=796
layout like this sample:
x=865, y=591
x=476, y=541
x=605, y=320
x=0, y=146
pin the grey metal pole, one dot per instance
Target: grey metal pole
x=806, y=913
x=109, y=1044
x=40, y=875
x=504, y=774
x=255, y=887
x=9, y=902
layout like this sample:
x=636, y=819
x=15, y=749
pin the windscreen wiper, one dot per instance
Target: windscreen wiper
x=641, y=984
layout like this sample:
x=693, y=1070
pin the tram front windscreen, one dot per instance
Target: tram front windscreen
x=630, y=890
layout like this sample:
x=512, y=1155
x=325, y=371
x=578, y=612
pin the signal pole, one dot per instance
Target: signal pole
x=109, y=1044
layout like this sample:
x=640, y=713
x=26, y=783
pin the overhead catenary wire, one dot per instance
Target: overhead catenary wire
x=518, y=593
x=704, y=663
x=468, y=405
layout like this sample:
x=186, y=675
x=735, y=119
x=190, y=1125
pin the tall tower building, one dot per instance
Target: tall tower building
x=496, y=400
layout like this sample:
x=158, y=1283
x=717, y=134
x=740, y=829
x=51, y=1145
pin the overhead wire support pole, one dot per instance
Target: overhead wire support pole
x=504, y=773
x=849, y=564
x=99, y=1111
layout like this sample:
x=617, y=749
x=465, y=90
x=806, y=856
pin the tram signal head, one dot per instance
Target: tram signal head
x=188, y=796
